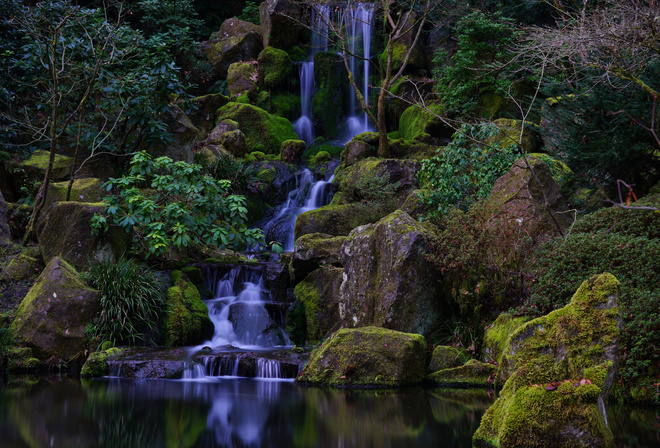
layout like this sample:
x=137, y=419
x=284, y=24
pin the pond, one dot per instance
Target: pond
x=238, y=412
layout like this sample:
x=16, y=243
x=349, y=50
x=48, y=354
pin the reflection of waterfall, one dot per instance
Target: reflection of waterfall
x=357, y=20
x=307, y=195
x=238, y=310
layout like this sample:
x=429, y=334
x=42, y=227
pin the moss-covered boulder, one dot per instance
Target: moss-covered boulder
x=281, y=23
x=560, y=368
x=471, y=374
x=5, y=231
x=25, y=265
x=509, y=134
x=263, y=131
x=528, y=194
x=242, y=78
x=63, y=230
x=497, y=335
x=203, y=115
x=186, y=320
x=274, y=67
x=97, y=363
x=292, y=151
x=313, y=250
x=336, y=219
x=388, y=281
x=318, y=294
x=236, y=41
x=368, y=356
x=83, y=190
x=34, y=168
x=356, y=151
x=53, y=316
x=447, y=357
x=415, y=121
x=328, y=102
x=183, y=135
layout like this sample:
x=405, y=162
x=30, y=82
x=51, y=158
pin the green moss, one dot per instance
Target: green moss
x=497, y=335
x=37, y=164
x=445, y=357
x=297, y=54
x=415, y=120
x=328, y=101
x=97, y=363
x=274, y=66
x=194, y=274
x=29, y=365
x=367, y=356
x=320, y=157
x=82, y=190
x=308, y=295
x=261, y=129
x=186, y=321
x=285, y=105
x=471, y=374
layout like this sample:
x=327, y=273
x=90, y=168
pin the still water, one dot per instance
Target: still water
x=235, y=412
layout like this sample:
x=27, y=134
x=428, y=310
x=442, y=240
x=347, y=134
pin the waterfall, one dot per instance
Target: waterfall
x=238, y=310
x=307, y=195
x=357, y=20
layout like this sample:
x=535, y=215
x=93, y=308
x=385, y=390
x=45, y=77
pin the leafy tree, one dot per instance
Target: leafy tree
x=80, y=83
x=169, y=206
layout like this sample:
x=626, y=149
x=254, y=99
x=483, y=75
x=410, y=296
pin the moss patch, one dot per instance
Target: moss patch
x=97, y=363
x=274, y=66
x=187, y=318
x=415, y=121
x=497, y=335
x=471, y=374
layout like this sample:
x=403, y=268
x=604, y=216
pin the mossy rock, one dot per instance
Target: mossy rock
x=471, y=374
x=369, y=137
x=319, y=295
x=313, y=250
x=285, y=105
x=35, y=167
x=186, y=320
x=261, y=129
x=28, y=365
x=237, y=40
x=446, y=357
x=203, y=115
x=328, y=101
x=97, y=363
x=194, y=274
x=242, y=78
x=498, y=333
x=388, y=281
x=356, y=151
x=558, y=368
x=415, y=121
x=336, y=220
x=83, y=190
x=5, y=231
x=53, y=316
x=509, y=135
x=63, y=230
x=367, y=356
x=25, y=265
x=274, y=67
x=292, y=151
x=399, y=50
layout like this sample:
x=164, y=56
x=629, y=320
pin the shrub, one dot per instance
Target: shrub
x=131, y=300
x=173, y=204
x=465, y=171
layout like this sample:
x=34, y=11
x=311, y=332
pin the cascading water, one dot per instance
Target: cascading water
x=307, y=195
x=357, y=20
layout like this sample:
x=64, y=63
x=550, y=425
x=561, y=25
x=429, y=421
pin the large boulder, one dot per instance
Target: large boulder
x=416, y=121
x=355, y=151
x=318, y=294
x=31, y=172
x=263, y=131
x=5, y=232
x=25, y=265
x=53, y=316
x=82, y=190
x=292, y=151
x=497, y=334
x=186, y=320
x=236, y=40
x=281, y=23
x=368, y=356
x=388, y=281
x=528, y=194
x=471, y=374
x=203, y=114
x=558, y=370
x=510, y=132
x=313, y=250
x=63, y=230
x=183, y=136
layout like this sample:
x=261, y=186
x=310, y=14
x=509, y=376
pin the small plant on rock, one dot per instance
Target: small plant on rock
x=131, y=300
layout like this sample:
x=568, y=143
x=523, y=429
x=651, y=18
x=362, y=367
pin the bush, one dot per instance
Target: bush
x=170, y=204
x=131, y=300
x=465, y=171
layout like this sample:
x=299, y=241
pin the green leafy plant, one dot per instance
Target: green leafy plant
x=466, y=170
x=250, y=12
x=173, y=205
x=479, y=64
x=131, y=300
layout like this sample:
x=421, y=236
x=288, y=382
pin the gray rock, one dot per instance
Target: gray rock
x=236, y=41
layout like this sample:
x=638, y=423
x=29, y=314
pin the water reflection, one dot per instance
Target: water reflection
x=250, y=413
